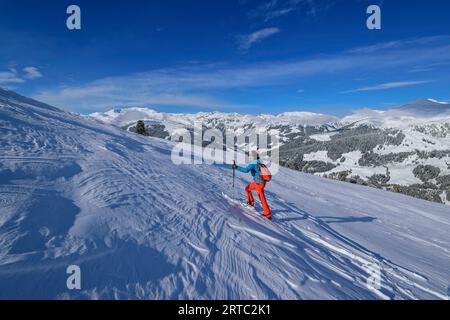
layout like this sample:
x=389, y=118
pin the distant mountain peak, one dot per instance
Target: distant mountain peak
x=424, y=108
x=426, y=102
x=436, y=101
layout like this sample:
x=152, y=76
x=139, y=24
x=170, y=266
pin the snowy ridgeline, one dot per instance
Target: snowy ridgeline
x=74, y=191
x=404, y=149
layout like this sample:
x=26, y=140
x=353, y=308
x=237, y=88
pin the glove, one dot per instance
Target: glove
x=234, y=166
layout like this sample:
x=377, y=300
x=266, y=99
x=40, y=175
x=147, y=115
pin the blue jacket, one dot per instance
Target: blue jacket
x=253, y=168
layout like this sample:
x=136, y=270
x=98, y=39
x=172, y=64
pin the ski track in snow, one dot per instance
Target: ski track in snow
x=75, y=191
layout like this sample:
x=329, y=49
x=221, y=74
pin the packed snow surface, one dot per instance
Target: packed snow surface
x=74, y=191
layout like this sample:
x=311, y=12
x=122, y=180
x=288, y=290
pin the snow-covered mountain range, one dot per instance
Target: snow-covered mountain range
x=405, y=149
x=74, y=191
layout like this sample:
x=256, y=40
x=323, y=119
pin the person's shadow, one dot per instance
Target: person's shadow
x=297, y=218
x=346, y=219
x=290, y=208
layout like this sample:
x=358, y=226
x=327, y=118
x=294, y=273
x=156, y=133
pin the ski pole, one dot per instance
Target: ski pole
x=234, y=165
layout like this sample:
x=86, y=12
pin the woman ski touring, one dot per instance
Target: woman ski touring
x=260, y=175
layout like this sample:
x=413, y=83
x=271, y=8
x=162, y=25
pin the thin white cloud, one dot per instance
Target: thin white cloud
x=419, y=69
x=13, y=77
x=397, y=44
x=246, y=41
x=273, y=9
x=200, y=85
x=388, y=85
x=107, y=93
x=32, y=73
x=10, y=77
x=278, y=13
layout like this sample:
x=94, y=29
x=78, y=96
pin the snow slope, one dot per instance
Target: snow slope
x=76, y=191
x=425, y=125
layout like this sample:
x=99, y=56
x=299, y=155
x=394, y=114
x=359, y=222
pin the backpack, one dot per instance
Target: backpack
x=264, y=172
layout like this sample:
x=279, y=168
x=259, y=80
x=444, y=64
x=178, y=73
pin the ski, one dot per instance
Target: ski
x=247, y=208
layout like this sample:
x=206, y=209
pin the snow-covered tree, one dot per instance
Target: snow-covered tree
x=140, y=127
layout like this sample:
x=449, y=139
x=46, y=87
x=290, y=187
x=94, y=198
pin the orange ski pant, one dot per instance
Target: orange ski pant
x=259, y=188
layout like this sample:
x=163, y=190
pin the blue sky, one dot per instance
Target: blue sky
x=249, y=56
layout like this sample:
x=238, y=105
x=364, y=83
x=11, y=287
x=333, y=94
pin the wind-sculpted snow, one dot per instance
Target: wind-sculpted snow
x=74, y=191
